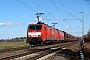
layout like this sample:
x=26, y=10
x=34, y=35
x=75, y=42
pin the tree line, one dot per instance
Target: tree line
x=21, y=39
x=87, y=36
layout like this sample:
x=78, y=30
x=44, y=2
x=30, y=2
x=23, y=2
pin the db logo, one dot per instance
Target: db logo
x=52, y=32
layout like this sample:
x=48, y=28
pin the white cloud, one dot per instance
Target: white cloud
x=9, y=24
x=65, y=28
x=18, y=23
x=2, y=24
x=56, y=17
x=3, y=33
x=6, y=24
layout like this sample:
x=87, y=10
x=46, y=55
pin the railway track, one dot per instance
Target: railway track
x=31, y=53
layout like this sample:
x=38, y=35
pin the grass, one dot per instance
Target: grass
x=12, y=44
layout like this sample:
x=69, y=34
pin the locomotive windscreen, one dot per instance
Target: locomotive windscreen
x=35, y=27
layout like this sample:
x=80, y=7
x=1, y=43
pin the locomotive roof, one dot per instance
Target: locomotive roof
x=40, y=23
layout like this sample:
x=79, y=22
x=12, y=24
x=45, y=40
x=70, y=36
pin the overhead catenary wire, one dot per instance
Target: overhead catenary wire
x=57, y=8
x=37, y=8
x=38, y=5
x=43, y=9
x=27, y=6
x=62, y=5
x=67, y=11
x=72, y=16
x=59, y=11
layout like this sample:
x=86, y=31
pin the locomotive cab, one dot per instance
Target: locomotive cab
x=34, y=33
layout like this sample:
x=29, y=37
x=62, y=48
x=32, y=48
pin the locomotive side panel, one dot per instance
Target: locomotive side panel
x=48, y=33
x=43, y=32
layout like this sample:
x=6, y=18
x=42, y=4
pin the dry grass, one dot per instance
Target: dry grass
x=12, y=44
x=87, y=50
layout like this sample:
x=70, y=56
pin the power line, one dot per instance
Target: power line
x=59, y=11
x=38, y=5
x=47, y=15
x=74, y=16
x=57, y=8
x=62, y=6
x=42, y=8
x=67, y=12
x=27, y=6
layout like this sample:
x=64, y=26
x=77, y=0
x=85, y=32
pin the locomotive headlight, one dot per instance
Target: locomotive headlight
x=29, y=35
x=39, y=35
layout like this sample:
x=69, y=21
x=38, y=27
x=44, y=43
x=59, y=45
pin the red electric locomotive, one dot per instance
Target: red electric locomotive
x=41, y=33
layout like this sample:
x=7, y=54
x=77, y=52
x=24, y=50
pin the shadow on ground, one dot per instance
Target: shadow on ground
x=69, y=54
x=87, y=54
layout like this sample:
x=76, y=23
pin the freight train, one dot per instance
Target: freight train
x=40, y=34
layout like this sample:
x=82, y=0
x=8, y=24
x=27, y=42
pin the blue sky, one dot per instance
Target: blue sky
x=15, y=16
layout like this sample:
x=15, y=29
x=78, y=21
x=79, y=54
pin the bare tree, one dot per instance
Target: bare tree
x=87, y=37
